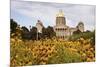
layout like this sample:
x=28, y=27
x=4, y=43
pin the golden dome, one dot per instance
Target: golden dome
x=60, y=14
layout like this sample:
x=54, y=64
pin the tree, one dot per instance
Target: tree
x=25, y=29
x=48, y=32
x=25, y=33
x=88, y=31
x=77, y=32
x=33, y=33
x=13, y=26
x=44, y=33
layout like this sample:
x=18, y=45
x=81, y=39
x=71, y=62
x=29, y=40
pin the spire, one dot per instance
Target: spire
x=60, y=14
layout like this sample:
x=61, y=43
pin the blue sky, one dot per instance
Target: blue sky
x=27, y=13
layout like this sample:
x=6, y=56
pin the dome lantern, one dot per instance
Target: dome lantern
x=60, y=14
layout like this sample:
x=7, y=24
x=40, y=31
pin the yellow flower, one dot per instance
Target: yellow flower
x=30, y=63
x=89, y=60
x=43, y=63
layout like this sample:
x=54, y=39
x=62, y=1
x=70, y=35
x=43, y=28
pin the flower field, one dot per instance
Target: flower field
x=50, y=51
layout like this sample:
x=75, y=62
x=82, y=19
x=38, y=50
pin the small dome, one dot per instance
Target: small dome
x=80, y=23
x=39, y=22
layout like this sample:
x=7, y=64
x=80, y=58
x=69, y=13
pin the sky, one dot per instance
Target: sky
x=27, y=13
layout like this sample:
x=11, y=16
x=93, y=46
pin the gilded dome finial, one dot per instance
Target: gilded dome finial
x=60, y=14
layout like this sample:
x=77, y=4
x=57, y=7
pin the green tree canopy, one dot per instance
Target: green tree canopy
x=13, y=25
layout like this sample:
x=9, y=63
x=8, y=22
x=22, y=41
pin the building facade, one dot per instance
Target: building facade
x=62, y=30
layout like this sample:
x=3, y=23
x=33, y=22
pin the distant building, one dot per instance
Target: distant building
x=39, y=26
x=80, y=26
x=62, y=30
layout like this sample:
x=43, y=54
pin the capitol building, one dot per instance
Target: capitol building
x=61, y=29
